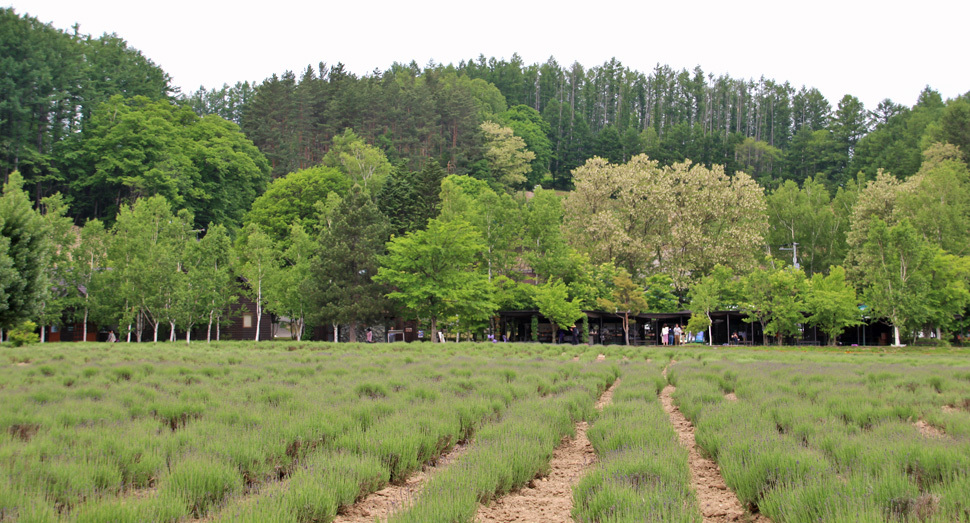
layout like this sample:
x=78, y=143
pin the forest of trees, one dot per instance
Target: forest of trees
x=439, y=192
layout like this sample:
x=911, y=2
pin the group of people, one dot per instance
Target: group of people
x=573, y=333
x=672, y=336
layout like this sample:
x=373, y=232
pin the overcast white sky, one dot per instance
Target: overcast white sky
x=873, y=50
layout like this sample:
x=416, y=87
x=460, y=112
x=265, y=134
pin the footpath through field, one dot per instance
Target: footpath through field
x=379, y=505
x=718, y=503
x=550, y=499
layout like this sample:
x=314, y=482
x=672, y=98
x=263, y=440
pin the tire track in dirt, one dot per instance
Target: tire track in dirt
x=380, y=505
x=550, y=499
x=718, y=503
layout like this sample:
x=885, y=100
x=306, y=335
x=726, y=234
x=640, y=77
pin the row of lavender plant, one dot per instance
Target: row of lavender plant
x=511, y=453
x=643, y=473
x=835, y=438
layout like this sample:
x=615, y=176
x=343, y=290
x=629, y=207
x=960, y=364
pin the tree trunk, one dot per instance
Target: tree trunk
x=171, y=332
x=710, y=330
x=85, y=331
x=896, y=334
x=626, y=329
x=129, y=333
x=352, y=335
x=259, y=308
x=208, y=330
x=43, y=334
x=188, y=332
x=336, y=333
x=155, y=330
x=434, y=329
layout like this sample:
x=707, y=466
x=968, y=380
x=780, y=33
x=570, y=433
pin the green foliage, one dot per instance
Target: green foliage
x=623, y=213
x=294, y=198
x=23, y=334
x=806, y=216
x=659, y=293
x=554, y=304
x=364, y=164
x=146, y=253
x=717, y=291
x=433, y=274
x=25, y=251
x=496, y=216
x=202, y=482
x=527, y=124
x=134, y=148
x=894, y=274
x=347, y=260
x=257, y=262
x=508, y=158
x=626, y=298
x=832, y=303
x=62, y=240
x=774, y=297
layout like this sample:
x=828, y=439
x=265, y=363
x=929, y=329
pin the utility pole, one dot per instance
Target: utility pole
x=794, y=254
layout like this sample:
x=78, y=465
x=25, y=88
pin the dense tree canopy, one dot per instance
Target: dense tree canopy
x=524, y=176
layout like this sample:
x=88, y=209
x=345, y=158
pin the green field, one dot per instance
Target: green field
x=293, y=432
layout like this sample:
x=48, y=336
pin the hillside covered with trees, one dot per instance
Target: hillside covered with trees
x=452, y=191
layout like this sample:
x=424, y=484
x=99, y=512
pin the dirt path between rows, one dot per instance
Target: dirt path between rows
x=550, y=499
x=718, y=503
x=380, y=505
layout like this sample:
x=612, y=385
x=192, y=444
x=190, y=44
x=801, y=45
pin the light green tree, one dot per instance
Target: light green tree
x=88, y=264
x=553, y=301
x=626, y=299
x=948, y=292
x=212, y=278
x=937, y=199
x=60, y=232
x=545, y=248
x=831, y=303
x=508, y=158
x=293, y=285
x=258, y=263
x=364, y=164
x=527, y=123
x=805, y=215
x=774, y=298
x=496, y=217
x=680, y=220
x=144, y=262
x=433, y=273
x=718, y=290
x=894, y=273
x=294, y=199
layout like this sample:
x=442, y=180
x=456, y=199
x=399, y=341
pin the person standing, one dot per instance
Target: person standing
x=677, y=334
x=664, y=332
x=111, y=336
x=370, y=335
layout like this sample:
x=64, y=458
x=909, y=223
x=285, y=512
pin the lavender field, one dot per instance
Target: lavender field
x=301, y=432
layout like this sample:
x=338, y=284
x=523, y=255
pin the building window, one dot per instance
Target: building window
x=247, y=321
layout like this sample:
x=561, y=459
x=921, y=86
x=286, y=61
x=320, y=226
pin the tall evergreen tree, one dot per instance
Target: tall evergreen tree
x=25, y=252
x=348, y=260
